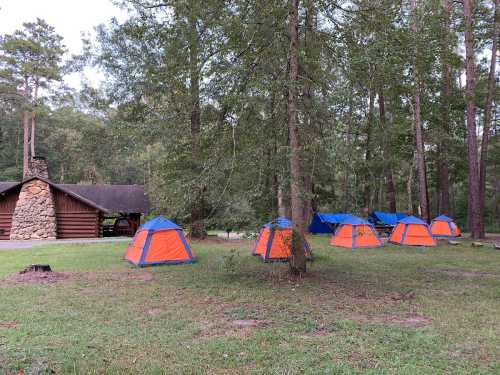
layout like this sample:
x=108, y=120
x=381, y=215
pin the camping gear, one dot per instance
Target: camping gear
x=385, y=222
x=159, y=241
x=325, y=223
x=274, y=242
x=355, y=233
x=413, y=232
x=444, y=227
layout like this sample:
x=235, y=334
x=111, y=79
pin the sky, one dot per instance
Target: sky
x=69, y=17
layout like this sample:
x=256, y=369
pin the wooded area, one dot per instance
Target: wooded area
x=233, y=113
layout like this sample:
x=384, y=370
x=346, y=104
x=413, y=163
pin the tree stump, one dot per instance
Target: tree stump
x=37, y=268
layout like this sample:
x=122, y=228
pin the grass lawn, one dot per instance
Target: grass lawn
x=383, y=311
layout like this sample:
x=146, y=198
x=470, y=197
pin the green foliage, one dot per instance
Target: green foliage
x=138, y=128
x=31, y=57
x=231, y=261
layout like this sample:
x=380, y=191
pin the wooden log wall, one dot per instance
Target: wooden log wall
x=7, y=207
x=75, y=219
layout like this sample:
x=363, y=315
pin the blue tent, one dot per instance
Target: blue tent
x=322, y=223
x=279, y=222
x=385, y=218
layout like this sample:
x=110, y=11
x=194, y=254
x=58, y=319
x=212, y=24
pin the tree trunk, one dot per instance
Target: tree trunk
x=197, y=225
x=33, y=127
x=311, y=56
x=409, y=189
x=497, y=199
x=487, y=117
x=368, y=154
x=308, y=203
x=298, y=260
x=26, y=144
x=389, y=180
x=419, y=139
x=275, y=201
x=61, y=173
x=444, y=180
x=33, y=121
x=345, y=182
x=275, y=209
x=282, y=208
x=26, y=133
x=475, y=214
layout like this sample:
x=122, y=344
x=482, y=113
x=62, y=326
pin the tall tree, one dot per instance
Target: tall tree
x=389, y=180
x=488, y=111
x=444, y=188
x=473, y=176
x=31, y=59
x=367, y=193
x=197, y=228
x=417, y=113
x=297, y=261
x=309, y=68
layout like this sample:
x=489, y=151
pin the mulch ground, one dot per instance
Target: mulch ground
x=38, y=277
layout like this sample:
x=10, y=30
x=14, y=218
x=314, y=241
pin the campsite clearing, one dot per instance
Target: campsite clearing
x=390, y=310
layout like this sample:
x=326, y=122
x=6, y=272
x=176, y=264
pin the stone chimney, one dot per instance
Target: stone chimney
x=38, y=168
x=34, y=217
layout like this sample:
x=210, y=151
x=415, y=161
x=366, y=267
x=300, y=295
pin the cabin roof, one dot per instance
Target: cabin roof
x=106, y=198
x=6, y=185
x=114, y=198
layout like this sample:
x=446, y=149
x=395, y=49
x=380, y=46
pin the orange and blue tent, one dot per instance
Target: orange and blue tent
x=413, y=232
x=355, y=233
x=159, y=241
x=444, y=227
x=274, y=242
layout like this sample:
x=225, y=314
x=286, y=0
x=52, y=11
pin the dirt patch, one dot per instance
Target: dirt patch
x=250, y=323
x=411, y=321
x=466, y=273
x=408, y=321
x=8, y=325
x=236, y=328
x=120, y=276
x=322, y=332
x=53, y=277
x=38, y=277
x=143, y=276
x=154, y=312
x=362, y=361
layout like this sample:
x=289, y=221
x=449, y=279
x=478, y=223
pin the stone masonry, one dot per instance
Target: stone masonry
x=34, y=217
x=38, y=168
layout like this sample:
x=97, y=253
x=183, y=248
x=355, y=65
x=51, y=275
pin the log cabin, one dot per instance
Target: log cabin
x=38, y=208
